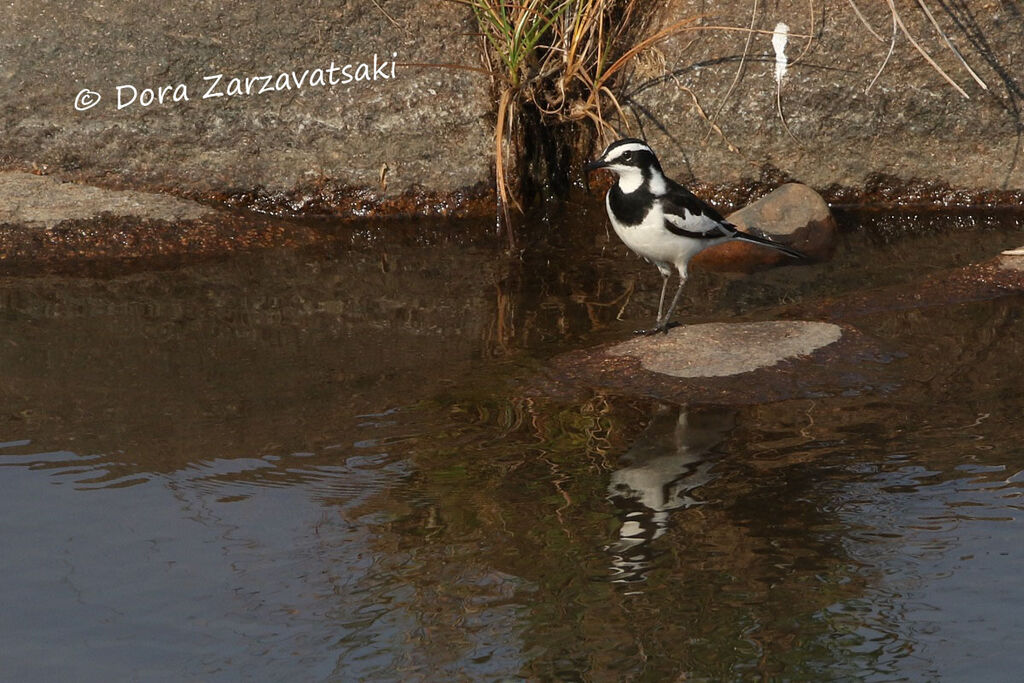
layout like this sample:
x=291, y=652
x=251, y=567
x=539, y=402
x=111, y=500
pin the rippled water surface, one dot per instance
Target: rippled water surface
x=349, y=464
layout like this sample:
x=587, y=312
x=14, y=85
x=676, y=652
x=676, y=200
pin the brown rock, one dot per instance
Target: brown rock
x=793, y=214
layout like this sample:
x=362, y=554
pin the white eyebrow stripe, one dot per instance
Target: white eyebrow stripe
x=631, y=147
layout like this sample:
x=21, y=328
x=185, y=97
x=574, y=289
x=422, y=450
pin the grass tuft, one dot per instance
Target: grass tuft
x=568, y=61
x=565, y=58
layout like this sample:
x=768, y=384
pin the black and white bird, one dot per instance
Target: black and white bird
x=661, y=220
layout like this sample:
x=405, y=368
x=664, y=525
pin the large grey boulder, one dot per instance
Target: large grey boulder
x=282, y=132
x=909, y=125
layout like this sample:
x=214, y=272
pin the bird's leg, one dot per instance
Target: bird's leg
x=665, y=275
x=663, y=325
x=664, y=285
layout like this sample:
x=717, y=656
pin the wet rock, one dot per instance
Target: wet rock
x=35, y=201
x=793, y=214
x=727, y=364
x=723, y=349
x=991, y=279
x=48, y=225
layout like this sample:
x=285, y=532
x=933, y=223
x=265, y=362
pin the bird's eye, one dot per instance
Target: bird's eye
x=628, y=156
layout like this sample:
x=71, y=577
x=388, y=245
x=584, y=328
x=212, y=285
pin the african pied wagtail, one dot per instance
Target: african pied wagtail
x=661, y=220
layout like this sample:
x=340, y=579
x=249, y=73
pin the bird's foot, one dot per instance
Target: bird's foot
x=660, y=327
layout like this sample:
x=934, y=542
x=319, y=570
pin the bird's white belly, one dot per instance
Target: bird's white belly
x=654, y=242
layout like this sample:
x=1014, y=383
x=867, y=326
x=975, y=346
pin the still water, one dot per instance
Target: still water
x=342, y=464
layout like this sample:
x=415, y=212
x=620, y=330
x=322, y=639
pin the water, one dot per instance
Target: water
x=343, y=464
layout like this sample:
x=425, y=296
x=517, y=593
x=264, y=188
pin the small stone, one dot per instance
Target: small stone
x=724, y=349
x=1012, y=259
x=793, y=214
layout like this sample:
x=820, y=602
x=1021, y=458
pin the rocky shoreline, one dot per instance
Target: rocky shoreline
x=419, y=139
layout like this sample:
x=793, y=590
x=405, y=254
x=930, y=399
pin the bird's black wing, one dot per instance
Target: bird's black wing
x=688, y=215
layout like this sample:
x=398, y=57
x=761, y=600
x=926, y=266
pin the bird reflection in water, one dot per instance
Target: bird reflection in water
x=669, y=460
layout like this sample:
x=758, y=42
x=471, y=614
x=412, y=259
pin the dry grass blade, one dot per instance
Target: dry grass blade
x=700, y=112
x=741, y=29
x=739, y=72
x=892, y=48
x=864, y=21
x=924, y=53
x=952, y=47
x=505, y=198
x=640, y=47
x=810, y=34
x=782, y=116
x=389, y=17
x=445, y=65
x=499, y=140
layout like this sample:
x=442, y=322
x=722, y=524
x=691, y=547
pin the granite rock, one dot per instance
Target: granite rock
x=282, y=127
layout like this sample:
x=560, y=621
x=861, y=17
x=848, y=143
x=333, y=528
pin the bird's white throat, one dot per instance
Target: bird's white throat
x=630, y=179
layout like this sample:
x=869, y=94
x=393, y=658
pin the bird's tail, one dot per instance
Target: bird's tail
x=760, y=238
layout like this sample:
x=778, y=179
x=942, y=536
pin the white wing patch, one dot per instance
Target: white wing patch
x=692, y=222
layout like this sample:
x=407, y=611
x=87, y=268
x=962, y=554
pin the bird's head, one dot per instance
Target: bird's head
x=630, y=158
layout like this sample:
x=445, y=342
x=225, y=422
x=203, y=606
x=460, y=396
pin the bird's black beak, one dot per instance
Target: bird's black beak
x=589, y=168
